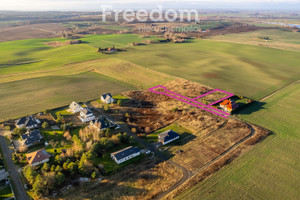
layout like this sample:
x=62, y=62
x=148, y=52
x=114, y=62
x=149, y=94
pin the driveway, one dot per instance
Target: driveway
x=20, y=193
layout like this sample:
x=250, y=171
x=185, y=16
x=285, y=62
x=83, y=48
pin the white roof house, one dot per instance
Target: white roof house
x=75, y=107
x=86, y=115
x=107, y=98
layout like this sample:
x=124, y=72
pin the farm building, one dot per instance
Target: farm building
x=86, y=115
x=125, y=154
x=31, y=138
x=38, y=157
x=28, y=122
x=107, y=98
x=75, y=107
x=168, y=136
x=101, y=124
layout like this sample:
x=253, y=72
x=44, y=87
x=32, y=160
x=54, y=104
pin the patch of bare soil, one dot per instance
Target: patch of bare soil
x=48, y=30
x=149, y=111
x=200, y=152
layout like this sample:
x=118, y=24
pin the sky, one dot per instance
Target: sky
x=95, y=5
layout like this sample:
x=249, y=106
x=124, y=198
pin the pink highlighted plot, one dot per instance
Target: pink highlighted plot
x=193, y=101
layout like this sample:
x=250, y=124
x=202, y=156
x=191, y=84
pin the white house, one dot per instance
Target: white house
x=75, y=107
x=38, y=157
x=125, y=154
x=86, y=115
x=28, y=122
x=107, y=98
x=168, y=136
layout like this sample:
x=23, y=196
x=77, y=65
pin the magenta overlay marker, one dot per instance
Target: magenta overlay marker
x=193, y=102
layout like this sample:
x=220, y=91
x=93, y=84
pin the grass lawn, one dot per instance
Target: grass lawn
x=110, y=165
x=57, y=136
x=62, y=111
x=270, y=170
x=153, y=137
x=5, y=193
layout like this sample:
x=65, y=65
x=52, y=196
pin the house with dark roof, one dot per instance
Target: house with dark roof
x=31, y=138
x=168, y=136
x=38, y=157
x=125, y=154
x=75, y=107
x=28, y=122
x=107, y=98
x=86, y=115
x=101, y=124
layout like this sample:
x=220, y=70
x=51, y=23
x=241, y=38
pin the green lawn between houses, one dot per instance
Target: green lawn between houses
x=153, y=137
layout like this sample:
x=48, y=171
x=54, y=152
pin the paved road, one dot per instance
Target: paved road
x=20, y=194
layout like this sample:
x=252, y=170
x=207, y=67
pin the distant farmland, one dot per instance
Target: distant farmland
x=246, y=70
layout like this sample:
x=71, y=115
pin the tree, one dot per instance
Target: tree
x=45, y=168
x=23, y=148
x=29, y=174
x=106, y=108
x=119, y=102
x=38, y=185
x=19, y=131
x=108, y=133
x=94, y=175
x=58, y=168
x=45, y=125
x=59, y=178
x=52, y=168
x=72, y=167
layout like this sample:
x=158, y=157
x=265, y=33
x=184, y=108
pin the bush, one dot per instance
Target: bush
x=45, y=125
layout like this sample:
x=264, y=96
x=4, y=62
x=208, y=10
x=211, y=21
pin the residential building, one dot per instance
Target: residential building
x=107, y=98
x=75, y=107
x=38, y=157
x=168, y=136
x=228, y=105
x=86, y=115
x=101, y=123
x=31, y=137
x=125, y=154
x=28, y=122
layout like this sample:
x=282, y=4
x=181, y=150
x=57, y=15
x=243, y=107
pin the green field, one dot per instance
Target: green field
x=247, y=70
x=271, y=169
x=23, y=97
x=279, y=39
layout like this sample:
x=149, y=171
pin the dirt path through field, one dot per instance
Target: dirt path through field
x=278, y=90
